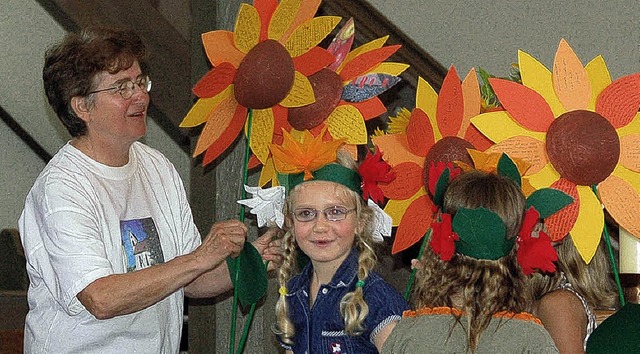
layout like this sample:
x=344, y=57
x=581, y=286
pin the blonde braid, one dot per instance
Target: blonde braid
x=353, y=307
x=284, y=327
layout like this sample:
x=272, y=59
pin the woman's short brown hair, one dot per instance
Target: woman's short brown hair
x=71, y=66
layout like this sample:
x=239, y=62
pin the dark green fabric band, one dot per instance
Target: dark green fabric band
x=331, y=173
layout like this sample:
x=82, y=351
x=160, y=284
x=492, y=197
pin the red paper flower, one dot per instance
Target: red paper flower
x=443, y=238
x=535, y=252
x=435, y=171
x=374, y=170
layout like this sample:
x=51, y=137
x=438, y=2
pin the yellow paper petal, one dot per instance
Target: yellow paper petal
x=310, y=34
x=395, y=149
x=537, y=77
x=283, y=17
x=499, y=126
x=427, y=101
x=374, y=44
x=396, y=208
x=199, y=113
x=268, y=174
x=622, y=202
x=301, y=93
x=599, y=77
x=588, y=228
x=261, y=133
x=346, y=122
x=570, y=81
x=632, y=128
x=307, y=10
x=544, y=178
x=389, y=68
x=472, y=100
x=247, y=30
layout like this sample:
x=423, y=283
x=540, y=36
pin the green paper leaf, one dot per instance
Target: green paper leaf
x=252, y=277
x=441, y=187
x=548, y=201
x=482, y=234
x=507, y=168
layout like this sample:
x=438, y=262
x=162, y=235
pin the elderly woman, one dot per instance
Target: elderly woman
x=108, y=233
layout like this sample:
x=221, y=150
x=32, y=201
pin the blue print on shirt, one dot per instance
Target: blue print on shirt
x=141, y=243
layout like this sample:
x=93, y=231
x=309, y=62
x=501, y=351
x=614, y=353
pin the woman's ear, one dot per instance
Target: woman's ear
x=80, y=107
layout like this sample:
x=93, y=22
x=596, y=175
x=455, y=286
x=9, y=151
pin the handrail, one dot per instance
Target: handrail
x=24, y=136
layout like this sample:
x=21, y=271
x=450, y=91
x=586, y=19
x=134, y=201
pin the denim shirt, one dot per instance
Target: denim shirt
x=320, y=329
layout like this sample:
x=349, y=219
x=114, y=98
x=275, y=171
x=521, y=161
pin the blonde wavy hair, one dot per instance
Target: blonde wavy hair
x=593, y=281
x=353, y=308
x=481, y=287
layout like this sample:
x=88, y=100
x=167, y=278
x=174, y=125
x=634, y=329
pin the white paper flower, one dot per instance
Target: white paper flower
x=266, y=204
x=383, y=222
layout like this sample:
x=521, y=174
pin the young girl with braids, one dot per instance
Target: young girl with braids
x=470, y=293
x=336, y=303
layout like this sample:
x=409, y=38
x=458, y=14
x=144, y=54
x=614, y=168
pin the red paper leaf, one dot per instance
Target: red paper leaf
x=265, y=11
x=407, y=182
x=560, y=223
x=215, y=81
x=527, y=107
x=370, y=108
x=230, y=134
x=420, y=136
x=414, y=224
x=313, y=61
x=450, y=108
x=619, y=102
x=366, y=61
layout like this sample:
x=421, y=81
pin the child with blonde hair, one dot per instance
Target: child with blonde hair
x=335, y=303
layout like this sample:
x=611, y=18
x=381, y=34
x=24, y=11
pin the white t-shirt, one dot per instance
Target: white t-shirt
x=84, y=220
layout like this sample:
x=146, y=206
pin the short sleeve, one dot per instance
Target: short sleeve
x=386, y=305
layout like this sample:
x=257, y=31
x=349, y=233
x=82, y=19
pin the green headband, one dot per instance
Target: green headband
x=482, y=234
x=331, y=173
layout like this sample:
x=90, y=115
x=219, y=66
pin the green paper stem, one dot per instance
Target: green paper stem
x=247, y=324
x=412, y=278
x=236, y=264
x=607, y=240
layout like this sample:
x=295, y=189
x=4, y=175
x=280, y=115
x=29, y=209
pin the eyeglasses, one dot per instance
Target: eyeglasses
x=334, y=213
x=126, y=88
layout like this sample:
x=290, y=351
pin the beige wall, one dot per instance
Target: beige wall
x=26, y=30
x=472, y=33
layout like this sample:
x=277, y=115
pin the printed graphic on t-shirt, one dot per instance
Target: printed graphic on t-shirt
x=141, y=243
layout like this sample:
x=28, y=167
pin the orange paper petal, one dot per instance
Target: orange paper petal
x=526, y=106
x=619, y=102
x=407, y=182
x=265, y=10
x=219, y=47
x=365, y=62
x=370, y=108
x=622, y=202
x=419, y=133
x=477, y=139
x=214, y=81
x=472, y=101
x=570, y=80
x=313, y=61
x=560, y=223
x=395, y=149
x=229, y=136
x=525, y=148
x=307, y=9
x=414, y=225
x=450, y=109
x=217, y=125
x=630, y=152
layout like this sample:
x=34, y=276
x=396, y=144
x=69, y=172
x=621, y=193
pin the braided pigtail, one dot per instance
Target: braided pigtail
x=353, y=307
x=283, y=326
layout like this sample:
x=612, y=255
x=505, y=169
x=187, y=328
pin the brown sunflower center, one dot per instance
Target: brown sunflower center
x=265, y=76
x=447, y=149
x=583, y=147
x=327, y=87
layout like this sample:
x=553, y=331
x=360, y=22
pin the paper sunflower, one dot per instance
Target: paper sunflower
x=263, y=65
x=438, y=129
x=346, y=92
x=578, y=129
